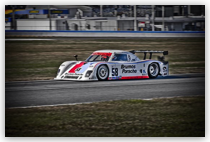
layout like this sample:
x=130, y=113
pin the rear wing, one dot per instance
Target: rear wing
x=148, y=51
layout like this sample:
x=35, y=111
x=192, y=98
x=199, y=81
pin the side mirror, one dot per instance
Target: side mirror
x=76, y=57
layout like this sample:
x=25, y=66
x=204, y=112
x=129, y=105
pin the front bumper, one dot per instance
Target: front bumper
x=75, y=77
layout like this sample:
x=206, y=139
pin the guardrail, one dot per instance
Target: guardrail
x=55, y=33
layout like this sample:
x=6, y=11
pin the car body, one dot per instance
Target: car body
x=112, y=65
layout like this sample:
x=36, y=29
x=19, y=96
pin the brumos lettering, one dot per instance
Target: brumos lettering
x=128, y=68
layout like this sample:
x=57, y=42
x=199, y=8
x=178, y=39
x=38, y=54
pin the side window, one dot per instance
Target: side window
x=134, y=58
x=129, y=58
x=120, y=57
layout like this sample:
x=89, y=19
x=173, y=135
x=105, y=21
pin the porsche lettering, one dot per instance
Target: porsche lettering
x=129, y=71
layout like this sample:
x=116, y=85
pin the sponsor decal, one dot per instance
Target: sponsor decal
x=129, y=71
x=144, y=72
x=128, y=68
x=91, y=65
x=78, y=69
x=164, y=69
x=115, y=78
x=73, y=74
x=165, y=73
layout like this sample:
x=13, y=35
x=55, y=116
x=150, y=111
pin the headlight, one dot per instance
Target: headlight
x=88, y=73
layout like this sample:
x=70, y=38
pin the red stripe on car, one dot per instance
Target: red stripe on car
x=76, y=66
x=134, y=77
x=97, y=64
x=102, y=53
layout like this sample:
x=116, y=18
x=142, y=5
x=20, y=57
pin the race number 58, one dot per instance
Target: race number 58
x=114, y=71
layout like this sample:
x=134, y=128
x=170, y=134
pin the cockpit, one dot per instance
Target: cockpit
x=99, y=56
x=120, y=57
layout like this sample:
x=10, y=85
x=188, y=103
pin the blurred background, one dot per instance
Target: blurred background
x=105, y=17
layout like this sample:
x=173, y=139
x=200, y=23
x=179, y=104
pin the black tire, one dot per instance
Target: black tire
x=102, y=72
x=153, y=70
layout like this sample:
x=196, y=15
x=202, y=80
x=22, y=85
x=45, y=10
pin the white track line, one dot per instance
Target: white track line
x=52, y=105
x=97, y=102
x=26, y=39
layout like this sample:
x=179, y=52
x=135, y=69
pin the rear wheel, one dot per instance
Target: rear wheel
x=153, y=70
x=102, y=72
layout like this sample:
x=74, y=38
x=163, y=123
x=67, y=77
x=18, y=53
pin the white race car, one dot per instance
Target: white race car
x=114, y=65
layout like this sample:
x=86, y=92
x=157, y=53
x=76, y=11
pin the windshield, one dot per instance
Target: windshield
x=120, y=57
x=97, y=56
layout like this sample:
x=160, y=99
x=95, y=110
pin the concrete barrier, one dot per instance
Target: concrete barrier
x=44, y=33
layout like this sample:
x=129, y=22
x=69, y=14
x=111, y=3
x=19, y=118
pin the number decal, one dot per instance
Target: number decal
x=114, y=71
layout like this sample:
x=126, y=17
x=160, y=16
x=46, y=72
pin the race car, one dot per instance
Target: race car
x=114, y=65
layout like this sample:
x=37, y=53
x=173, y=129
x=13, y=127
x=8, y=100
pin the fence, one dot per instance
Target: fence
x=125, y=34
x=75, y=27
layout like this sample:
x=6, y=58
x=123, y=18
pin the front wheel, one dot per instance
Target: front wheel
x=102, y=72
x=153, y=70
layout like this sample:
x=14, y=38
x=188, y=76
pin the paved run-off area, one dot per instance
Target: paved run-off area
x=45, y=93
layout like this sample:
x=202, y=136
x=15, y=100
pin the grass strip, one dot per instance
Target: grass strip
x=169, y=117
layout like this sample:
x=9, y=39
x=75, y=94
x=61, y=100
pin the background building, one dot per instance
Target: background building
x=105, y=17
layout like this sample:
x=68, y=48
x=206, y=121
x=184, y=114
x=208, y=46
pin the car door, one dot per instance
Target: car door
x=124, y=66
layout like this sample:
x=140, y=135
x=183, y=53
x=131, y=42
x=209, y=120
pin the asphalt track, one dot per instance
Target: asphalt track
x=47, y=93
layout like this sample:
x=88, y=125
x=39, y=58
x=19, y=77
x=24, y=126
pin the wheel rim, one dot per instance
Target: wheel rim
x=153, y=69
x=102, y=72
